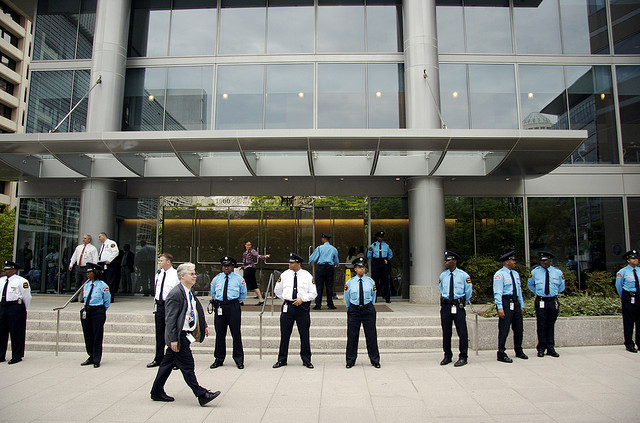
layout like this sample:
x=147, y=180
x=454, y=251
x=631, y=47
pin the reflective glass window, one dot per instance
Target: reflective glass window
x=385, y=95
x=242, y=27
x=625, y=22
x=384, y=27
x=458, y=218
x=239, y=97
x=492, y=93
x=193, y=27
x=633, y=208
x=454, y=100
x=289, y=96
x=591, y=107
x=552, y=227
x=628, y=78
x=499, y=224
x=149, y=29
x=341, y=96
x=538, y=28
x=290, y=27
x=584, y=27
x=144, y=92
x=340, y=27
x=189, y=98
x=543, y=98
x=488, y=29
x=450, y=26
x=78, y=119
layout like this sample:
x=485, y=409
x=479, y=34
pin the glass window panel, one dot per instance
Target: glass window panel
x=56, y=30
x=493, y=96
x=591, y=107
x=290, y=29
x=633, y=208
x=244, y=225
x=144, y=92
x=584, y=27
x=538, y=28
x=86, y=22
x=212, y=232
x=341, y=96
x=78, y=119
x=239, y=97
x=242, y=29
x=450, y=26
x=71, y=219
x=49, y=100
x=628, y=78
x=289, y=96
x=189, y=98
x=488, y=29
x=193, y=28
x=458, y=220
x=386, y=95
x=340, y=28
x=149, y=30
x=542, y=97
x=454, y=100
x=499, y=226
x=552, y=227
x=384, y=28
x=625, y=22
x=280, y=234
x=177, y=236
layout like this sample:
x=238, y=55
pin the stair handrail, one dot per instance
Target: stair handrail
x=57, y=309
x=268, y=294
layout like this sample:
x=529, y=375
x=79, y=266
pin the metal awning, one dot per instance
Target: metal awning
x=305, y=153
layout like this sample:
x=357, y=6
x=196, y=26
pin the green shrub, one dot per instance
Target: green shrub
x=570, y=281
x=481, y=270
x=573, y=305
x=7, y=225
x=601, y=284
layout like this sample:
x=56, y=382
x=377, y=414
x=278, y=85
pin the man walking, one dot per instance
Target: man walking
x=326, y=255
x=379, y=253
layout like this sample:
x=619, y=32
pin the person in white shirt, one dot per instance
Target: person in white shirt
x=83, y=254
x=109, y=251
x=166, y=279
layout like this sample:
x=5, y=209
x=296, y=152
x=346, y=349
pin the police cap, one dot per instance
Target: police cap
x=360, y=261
x=11, y=265
x=545, y=255
x=92, y=267
x=631, y=254
x=326, y=235
x=294, y=258
x=379, y=234
x=228, y=261
x=511, y=255
x=450, y=255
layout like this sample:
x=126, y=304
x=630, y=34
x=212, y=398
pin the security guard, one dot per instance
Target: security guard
x=360, y=297
x=228, y=289
x=507, y=294
x=326, y=255
x=546, y=282
x=15, y=300
x=108, y=252
x=97, y=298
x=379, y=253
x=297, y=289
x=452, y=302
x=629, y=291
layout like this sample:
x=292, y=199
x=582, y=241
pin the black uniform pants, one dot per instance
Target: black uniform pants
x=460, y=320
x=112, y=278
x=545, y=323
x=299, y=315
x=93, y=330
x=80, y=275
x=365, y=315
x=13, y=321
x=380, y=275
x=183, y=360
x=160, y=325
x=231, y=317
x=630, y=318
x=512, y=319
x=324, y=278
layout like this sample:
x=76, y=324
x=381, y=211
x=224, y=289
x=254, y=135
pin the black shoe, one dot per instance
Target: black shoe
x=461, y=362
x=540, y=353
x=14, y=361
x=279, y=364
x=388, y=300
x=553, y=353
x=207, y=397
x=240, y=366
x=522, y=355
x=317, y=308
x=445, y=361
x=215, y=365
x=504, y=359
x=632, y=350
x=332, y=307
x=154, y=363
x=96, y=365
x=376, y=365
x=349, y=366
x=308, y=365
x=260, y=303
x=162, y=397
x=87, y=362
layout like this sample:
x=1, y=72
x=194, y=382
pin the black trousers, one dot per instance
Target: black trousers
x=112, y=278
x=365, y=315
x=512, y=319
x=545, y=323
x=13, y=321
x=324, y=278
x=183, y=359
x=93, y=330
x=299, y=315
x=630, y=318
x=231, y=317
x=380, y=275
x=160, y=325
x=460, y=320
x=80, y=275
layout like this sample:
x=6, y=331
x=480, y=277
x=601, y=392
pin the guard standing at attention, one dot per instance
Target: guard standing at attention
x=507, y=294
x=360, y=297
x=455, y=291
x=297, y=289
x=326, y=255
x=108, y=252
x=629, y=291
x=228, y=289
x=14, y=302
x=97, y=299
x=546, y=282
x=379, y=253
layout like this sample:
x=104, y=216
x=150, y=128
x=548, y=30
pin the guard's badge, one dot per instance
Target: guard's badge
x=113, y=245
x=106, y=289
x=243, y=283
x=345, y=287
x=374, y=288
x=25, y=285
x=497, y=277
x=619, y=275
x=468, y=280
x=279, y=280
x=530, y=275
x=313, y=281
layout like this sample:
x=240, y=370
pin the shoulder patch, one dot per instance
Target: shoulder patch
x=313, y=281
x=345, y=287
x=374, y=288
x=530, y=275
x=619, y=275
x=562, y=276
x=25, y=285
x=468, y=279
x=279, y=280
x=497, y=277
x=113, y=245
x=106, y=289
x=243, y=283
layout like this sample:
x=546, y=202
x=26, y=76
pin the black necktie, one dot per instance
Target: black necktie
x=162, y=285
x=4, y=290
x=86, y=303
x=361, y=293
x=546, y=283
x=294, y=295
x=451, y=288
x=100, y=254
x=226, y=286
x=380, y=250
x=513, y=282
x=635, y=275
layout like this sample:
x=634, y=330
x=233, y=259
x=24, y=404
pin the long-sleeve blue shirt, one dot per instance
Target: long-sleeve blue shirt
x=100, y=294
x=325, y=254
x=352, y=291
x=503, y=285
x=379, y=249
x=537, y=279
x=625, y=279
x=462, y=286
x=236, y=289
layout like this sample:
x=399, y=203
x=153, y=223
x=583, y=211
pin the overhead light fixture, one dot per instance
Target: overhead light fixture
x=225, y=96
x=151, y=97
x=301, y=94
x=455, y=94
x=530, y=95
x=378, y=94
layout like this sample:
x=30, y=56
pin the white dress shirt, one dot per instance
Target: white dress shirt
x=108, y=251
x=169, y=283
x=306, y=287
x=90, y=255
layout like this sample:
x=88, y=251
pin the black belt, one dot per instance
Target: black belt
x=89, y=307
x=10, y=302
x=457, y=301
x=82, y=267
x=235, y=300
x=539, y=298
x=358, y=306
x=160, y=302
x=325, y=264
x=378, y=258
x=291, y=302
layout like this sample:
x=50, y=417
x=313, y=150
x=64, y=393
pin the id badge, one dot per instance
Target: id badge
x=155, y=308
x=511, y=306
x=219, y=311
x=84, y=315
x=454, y=309
x=285, y=307
x=633, y=299
x=541, y=304
x=191, y=338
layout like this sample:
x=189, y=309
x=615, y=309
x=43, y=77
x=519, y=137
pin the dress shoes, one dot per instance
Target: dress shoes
x=504, y=359
x=308, y=365
x=207, y=397
x=279, y=364
x=153, y=364
x=522, y=356
x=388, y=301
x=332, y=307
x=376, y=365
x=215, y=365
x=241, y=366
x=14, y=361
x=349, y=366
x=87, y=362
x=632, y=350
x=461, y=362
x=553, y=353
x=317, y=308
x=161, y=397
x=540, y=353
x=260, y=304
x=445, y=361
x=96, y=365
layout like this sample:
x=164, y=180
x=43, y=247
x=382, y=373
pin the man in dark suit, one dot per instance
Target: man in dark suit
x=183, y=317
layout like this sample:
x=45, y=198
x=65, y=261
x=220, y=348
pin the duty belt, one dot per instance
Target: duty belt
x=457, y=301
x=10, y=302
x=90, y=307
x=235, y=300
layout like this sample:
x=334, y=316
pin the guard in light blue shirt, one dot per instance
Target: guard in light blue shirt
x=455, y=291
x=228, y=289
x=507, y=294
x=546, y=282
x=360, y=297
x=326, y=255
x=379, y=254
x=97, y=299
x=628, y=289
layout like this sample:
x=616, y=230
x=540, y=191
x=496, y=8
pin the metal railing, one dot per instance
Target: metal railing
x=57, y=309
x=268, y=294
x=475, y=332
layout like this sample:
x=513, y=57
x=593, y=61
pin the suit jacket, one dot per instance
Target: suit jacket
x=175, y=308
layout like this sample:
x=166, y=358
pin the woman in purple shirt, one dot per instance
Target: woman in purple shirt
x=249, y=259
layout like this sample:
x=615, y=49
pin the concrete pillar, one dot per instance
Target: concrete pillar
x=97, y=209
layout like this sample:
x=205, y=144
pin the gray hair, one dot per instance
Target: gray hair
x=184, y=268
x=88, y=236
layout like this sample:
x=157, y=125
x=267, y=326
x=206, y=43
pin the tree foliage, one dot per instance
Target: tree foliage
x=7, y=226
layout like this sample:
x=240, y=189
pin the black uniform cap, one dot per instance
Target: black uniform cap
x=228, y=261
x=294, y=258
x=545, y=255
x=379, y=234
x=91, y=267
x=11, y=265
x=326, y=235
x=631, y=254
x=511, y=255
x=450, y=255
x=360, y=261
